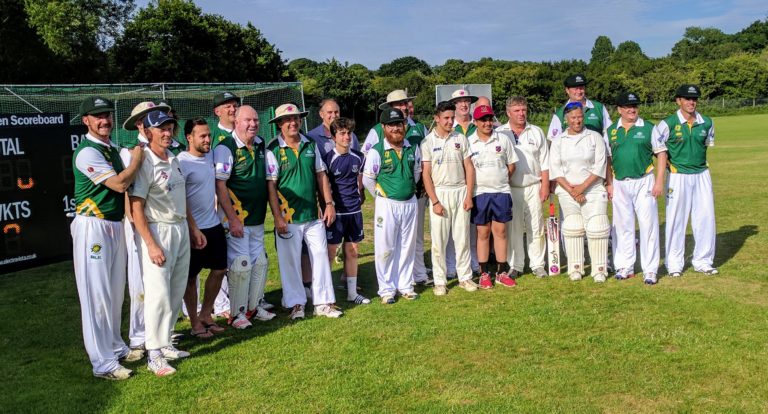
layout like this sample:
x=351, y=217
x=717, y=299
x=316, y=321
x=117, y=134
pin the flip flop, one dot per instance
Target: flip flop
x=214, y=327
x=204, y=334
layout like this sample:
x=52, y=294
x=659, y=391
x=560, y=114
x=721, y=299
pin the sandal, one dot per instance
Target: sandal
x=204, y=334
x=213, y=327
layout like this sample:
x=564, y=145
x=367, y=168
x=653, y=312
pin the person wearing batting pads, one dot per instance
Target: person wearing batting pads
x=530, y=188
x=159, y=209
x=392, y=168
x=635, y=188
x=448, y=177
x=241, y=187
x=414, y=134
x=295, y=173
x=687, y=134
x=494, y=158
x=578, y=165
x=98, y=245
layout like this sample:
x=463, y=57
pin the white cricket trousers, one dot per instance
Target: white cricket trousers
x=289, y=258
x=419, y=267
x=99, y=256
x=450, y=251
x=690, y=195
x=394, y=244
x=136, y=333
x=455, y=222
x=164, y=285
x=632, y=197
x=527, y=219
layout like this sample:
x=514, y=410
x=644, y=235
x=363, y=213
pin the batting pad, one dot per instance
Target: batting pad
x=598, y=230
x=239, y=274
x=257, y=282
x=573, y=234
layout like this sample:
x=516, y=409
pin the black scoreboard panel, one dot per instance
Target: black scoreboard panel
x=36, y=189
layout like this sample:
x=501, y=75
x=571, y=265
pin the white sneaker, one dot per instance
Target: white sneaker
x=118, y=374
x=599, y=278
x=262, y=314
x=329, y=310
x=709, y=271
x=440, y=290
x=297, y=312
x=160, y=367
x=650, y=278
x=468, y=285
x=266, y=305
x=539, y=272
x=134, y=354
x=575, y=276
x=241, y=322
x=171, y=353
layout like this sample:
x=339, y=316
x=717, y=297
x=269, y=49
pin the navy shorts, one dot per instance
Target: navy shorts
x=213, y=256
x=492, y=207
x=348, y=227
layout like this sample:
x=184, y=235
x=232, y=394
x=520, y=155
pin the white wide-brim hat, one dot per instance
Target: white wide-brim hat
x=287, y=110
x=396, y=96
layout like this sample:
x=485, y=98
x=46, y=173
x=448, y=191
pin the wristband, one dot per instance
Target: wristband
x=436, y=203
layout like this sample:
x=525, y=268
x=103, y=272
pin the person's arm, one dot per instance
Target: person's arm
x=371, y=171
x=661, y=165
x=469, y=174
x=417, y=164
x=329, y=212
x=120, y=182
x=429, y=188
x=196, y=237
x=274, y=204
x=225, y=202
x=512, y=158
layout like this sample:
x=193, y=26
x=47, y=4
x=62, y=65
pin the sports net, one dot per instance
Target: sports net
x=188, y=100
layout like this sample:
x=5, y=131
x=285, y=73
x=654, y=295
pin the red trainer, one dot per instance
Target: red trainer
x=505, y=280
x=485, y=281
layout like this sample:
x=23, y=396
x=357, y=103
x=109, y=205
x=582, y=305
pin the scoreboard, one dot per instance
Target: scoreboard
x=36, y=188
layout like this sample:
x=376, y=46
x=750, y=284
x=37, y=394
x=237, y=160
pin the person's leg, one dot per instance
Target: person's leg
x=289, y=259
x=238, y=256
x=258, y=278
x=179, y=250
x=191, y=292
x=419, y=267
x=135, y=288
x=385, y=230
x=703, y=221
x=322, y=284
x=677, y=211
x=440, y=229
x=460, y=234
x=450, y=254
x=216, y=255
x=515, y=252
x=572, y=230
x=352, y=226
x=157, y=286
x=118, y=276
x=598, y=230
x=534, y=228
x=648, y=221
x=624, y=256
x=407, y=233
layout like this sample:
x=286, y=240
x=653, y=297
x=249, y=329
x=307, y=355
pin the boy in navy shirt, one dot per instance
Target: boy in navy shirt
x=345, y=167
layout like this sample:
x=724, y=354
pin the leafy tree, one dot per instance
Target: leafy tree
x=754, y=38
x=303, y=66
x=602, y=51
x=172, y=40
x=24, y=56
x=453, y=70
x=403, y=65
x=703, y=44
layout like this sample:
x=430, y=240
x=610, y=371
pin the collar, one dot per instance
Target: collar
x=475, y=138
x=389, y=147
x=240, y=143
x=99, y=141
x=142, y=138
x=281, y=141
x=335, y=151
x=157, y=160
x=451, y=134
x=223, y=128
x=638, y=123
x=589, y=103
x=681, y=117
x=507, y=127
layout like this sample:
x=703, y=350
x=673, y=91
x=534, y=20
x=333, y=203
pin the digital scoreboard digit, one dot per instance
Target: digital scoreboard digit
x=36, y=188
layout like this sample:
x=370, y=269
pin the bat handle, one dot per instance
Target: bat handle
x=551, y=207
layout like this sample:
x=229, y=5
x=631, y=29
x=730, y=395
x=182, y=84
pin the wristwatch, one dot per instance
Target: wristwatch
x=330, y=203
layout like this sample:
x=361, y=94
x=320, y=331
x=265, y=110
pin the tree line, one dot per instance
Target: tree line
x=111, y=41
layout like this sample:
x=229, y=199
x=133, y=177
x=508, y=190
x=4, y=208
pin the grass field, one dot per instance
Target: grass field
x=694, y=344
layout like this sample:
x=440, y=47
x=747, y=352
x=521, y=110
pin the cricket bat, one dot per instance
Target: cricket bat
x=553, y=240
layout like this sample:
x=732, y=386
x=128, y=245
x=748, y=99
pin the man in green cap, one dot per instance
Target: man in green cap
x=686, y=134
x=596, y=116
x=225, y=106
x=392, y=169
x=99, y=252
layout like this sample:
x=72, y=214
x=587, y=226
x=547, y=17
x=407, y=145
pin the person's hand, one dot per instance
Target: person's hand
x=156, y=255
x=543, y=193
x=236, y=228
x=609, y=189
x=580, y=198
x=362, y=196
x=137, y=153
x=658, y=189
x=198, y=239
x=281, y=226
x=468, y=204
x=438, y=209
x=329, y=215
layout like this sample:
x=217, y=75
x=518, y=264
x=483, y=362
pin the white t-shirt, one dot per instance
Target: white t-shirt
x=200, y=180
x=491, y=160
x=446, y=157
x=576, y=157
x=532, y=150
x=161, y=184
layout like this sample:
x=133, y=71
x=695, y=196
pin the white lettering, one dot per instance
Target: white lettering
x=75, y=139
x=11, y=146
x=15, y=210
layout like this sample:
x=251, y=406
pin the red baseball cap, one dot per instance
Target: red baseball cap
x=481, y=111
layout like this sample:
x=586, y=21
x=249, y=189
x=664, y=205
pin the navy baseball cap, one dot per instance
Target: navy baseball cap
x=157, y=118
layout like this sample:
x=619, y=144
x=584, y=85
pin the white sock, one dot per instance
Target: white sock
x=351, y=287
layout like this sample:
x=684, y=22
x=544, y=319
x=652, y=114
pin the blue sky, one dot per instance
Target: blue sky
x=375, y=32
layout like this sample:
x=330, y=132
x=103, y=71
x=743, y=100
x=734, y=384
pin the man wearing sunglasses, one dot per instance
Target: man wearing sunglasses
x=686, y=135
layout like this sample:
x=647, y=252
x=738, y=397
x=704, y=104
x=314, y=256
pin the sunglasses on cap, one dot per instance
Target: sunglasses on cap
x=572, y=106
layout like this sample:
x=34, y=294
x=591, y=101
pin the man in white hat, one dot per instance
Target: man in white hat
x=295, y=173
x=136, y=334
x=414, y=134
x=241, y=186
x=392, y=169
x=530, y=188
x=463, y=122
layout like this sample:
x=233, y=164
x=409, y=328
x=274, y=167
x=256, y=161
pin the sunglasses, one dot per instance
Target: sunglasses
x=284, y=236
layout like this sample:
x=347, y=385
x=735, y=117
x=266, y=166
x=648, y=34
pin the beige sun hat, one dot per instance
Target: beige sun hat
x=142, y=109
x=462, y=93
x=287, y=110
x=396, y=96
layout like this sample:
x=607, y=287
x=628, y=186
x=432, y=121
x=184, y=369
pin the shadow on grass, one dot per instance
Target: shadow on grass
x=727, y=244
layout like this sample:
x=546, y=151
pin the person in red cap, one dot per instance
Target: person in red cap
x=494, y=158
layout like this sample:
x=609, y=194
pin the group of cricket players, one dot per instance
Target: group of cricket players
x=188, y=196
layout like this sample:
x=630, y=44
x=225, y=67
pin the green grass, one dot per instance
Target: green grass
x=695, y=344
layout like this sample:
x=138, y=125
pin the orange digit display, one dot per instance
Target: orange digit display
x=30, y=182
x=12, y=227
